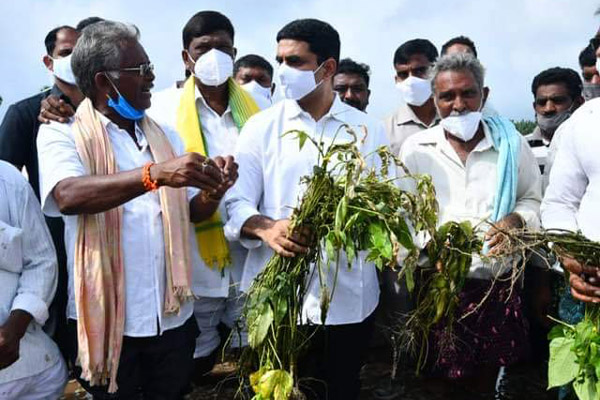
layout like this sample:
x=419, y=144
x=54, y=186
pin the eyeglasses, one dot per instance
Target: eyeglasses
x=143, y=69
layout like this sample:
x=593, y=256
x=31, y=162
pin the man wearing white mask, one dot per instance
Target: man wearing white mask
x=557, y=94
x=412, y=62
x=255, y=75
x=268, y=189
x=207, y=112
x=483, y=171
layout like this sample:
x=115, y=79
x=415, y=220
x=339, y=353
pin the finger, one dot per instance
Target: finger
x=220, y=162
x=490, y=233
x=584, y=298
x=572, y=266
x=202, y=181
x=584, y=288
x=229, y=166
x=54, y=115
x=292, y=246
x=282, y=251
x=211, y=172
x=300, y=238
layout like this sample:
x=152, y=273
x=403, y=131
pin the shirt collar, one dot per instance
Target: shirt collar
x=336, y=111
x=139, y=133
x=202, y=101
x=405, y=114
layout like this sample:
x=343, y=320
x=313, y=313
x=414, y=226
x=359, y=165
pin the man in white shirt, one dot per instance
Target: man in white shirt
x=571, y=199
x=463, y=156
x=31, y=367
x=255, y=75
x=412, y=62
x=262, y=200
x=158, y=331
x=219, y=299
x=557, y=94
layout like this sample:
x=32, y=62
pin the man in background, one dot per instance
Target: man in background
x=412, y=62
x=255, y=75
x=351, y=82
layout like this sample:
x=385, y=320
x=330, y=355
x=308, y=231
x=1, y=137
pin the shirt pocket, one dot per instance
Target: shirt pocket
x=11, y=248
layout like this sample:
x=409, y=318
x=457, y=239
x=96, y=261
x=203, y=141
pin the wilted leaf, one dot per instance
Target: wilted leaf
x=258, y=325
x=562, y=366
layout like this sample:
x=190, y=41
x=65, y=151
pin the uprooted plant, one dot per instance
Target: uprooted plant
x=348, y=206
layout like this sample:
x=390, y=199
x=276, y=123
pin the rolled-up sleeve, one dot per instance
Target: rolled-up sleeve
x=529, y=188
x=38, y=279
x=58, y=160
x=243, y=198
x=568, y=183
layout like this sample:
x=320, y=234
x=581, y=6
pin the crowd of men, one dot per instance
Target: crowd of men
x=148, y=214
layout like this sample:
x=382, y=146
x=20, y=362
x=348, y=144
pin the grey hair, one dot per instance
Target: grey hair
x=459, y=62
x=99, y=49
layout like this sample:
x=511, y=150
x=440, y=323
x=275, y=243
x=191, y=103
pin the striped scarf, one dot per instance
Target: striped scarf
x=98, y=264
x=209, y=233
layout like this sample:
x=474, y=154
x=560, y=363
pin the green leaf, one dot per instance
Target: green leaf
x=276, y=384
x=557, y=331
x=585, y=389
x=280, y=310
x=302, y=136
x=562, y=366
x=258, y=326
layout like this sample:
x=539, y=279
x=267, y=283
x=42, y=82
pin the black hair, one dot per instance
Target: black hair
x=415, y=46
x=323, y=40
x=587, y=57
x=349, y=66
x=50, y=40
x=252, y=61
x=87, y=22
x=566, y=76
x=205, y=23
x=460, y=40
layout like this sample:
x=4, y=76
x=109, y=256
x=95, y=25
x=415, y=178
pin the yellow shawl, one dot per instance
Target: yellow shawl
x=209, y=234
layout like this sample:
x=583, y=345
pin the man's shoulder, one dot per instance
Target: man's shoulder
x=11, y=175
x=30, y=105
x=267, y=116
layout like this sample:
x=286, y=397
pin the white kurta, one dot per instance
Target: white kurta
x=270, y=170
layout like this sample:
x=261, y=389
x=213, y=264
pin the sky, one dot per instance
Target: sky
x=516, y=39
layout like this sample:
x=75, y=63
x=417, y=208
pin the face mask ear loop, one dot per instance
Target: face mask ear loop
x=113, y=85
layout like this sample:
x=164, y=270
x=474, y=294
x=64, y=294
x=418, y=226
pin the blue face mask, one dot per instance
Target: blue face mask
x=122, y=106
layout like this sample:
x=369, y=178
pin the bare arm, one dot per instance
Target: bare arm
x=93, y=194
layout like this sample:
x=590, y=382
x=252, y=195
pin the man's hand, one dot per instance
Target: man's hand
x=229, y=170
x=495, y=238
x=191, y=169
x=277, y=236
x=54, y=108
x=10, y=337
x=578, y=274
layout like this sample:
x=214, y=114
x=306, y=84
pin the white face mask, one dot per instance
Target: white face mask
x=62, y=70
x=296, y=83
x=462, y=126
x=415, y=91
x=214, y=67
x=261, y=94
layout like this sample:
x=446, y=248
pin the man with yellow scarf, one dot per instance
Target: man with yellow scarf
x=208, y=110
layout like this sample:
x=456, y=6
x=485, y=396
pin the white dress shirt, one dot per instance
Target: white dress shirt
x=573, y=194
x=220, y=134
x=269, y=184
x=142, y=229
x=28, y=273
x=466, y=192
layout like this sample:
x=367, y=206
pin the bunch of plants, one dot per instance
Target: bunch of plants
x=351, y=204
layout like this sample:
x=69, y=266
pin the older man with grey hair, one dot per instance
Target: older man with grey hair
x=119, y=181
x=484, y=173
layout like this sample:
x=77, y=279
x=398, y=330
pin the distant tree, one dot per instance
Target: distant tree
x=1, y=100
x=525, y=127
